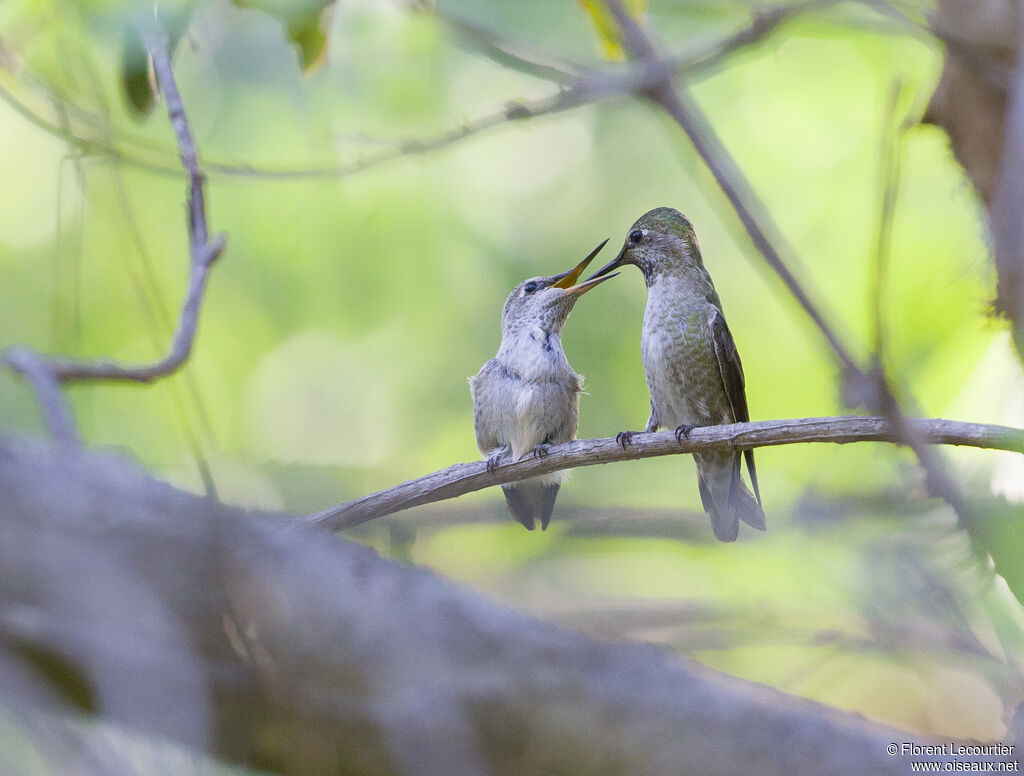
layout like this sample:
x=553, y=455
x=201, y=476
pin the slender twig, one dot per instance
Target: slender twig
x=506, y=53
x=157, y=47
x=937, y=479
x=465, y=478
x=56, y=412
x=203, y=252
x=889, y=181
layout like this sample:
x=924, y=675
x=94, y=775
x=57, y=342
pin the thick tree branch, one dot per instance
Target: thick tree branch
x=465, y=478
x=203, y=252
x=296, y=652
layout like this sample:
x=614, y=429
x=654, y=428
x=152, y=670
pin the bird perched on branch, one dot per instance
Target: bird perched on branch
x=690, y=361
x=527, y=396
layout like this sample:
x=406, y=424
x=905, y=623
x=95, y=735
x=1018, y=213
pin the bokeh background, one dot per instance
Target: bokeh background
x=352, y=304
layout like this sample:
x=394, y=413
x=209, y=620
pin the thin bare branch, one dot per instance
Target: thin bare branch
x=465, y=478
x=203, y=252
x=56, y=413
x=937, y=479
x=889, y=181
x=506, y=53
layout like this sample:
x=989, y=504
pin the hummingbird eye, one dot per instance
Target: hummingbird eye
x=636, y=236
x=530, y=287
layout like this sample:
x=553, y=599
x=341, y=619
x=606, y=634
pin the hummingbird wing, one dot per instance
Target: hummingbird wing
x=491, y=414
x=731, y=369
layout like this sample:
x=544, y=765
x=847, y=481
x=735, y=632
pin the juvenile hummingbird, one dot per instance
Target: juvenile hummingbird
x=690, y=361
x=527, y=396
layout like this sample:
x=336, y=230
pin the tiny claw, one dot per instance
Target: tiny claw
x=683, y=432
x=624, y=438
x=540, y=451
x=493, y=463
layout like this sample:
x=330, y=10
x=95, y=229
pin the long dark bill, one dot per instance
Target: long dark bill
x=616, y=262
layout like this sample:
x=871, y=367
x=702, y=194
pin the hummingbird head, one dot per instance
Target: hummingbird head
x=662, y=240
x=546, y=302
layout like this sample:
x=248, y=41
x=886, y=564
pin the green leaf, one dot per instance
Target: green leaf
x=304, y=24
x=1000, y=532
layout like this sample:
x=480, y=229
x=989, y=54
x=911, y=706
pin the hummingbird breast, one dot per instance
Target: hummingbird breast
x=525, y=396
x=679, y=360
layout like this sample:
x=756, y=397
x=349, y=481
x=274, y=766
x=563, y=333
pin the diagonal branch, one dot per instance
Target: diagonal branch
x=861, y=386
x=505, y=53
x=465, y=478
x=751, y=212
x=203, y=252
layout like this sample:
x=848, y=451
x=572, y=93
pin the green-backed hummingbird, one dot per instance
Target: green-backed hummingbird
x=690, y=361
x=527, y=396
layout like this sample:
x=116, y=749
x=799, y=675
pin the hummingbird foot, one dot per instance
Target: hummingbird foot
x=493, y=463
x=683, y=432
x=540, y=451
x=624, y=438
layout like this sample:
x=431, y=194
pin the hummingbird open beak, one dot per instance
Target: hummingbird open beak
x=616, y=262
x=582, y=288
x=567, y=279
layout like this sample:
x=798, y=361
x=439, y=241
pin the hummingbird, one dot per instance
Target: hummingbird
x=693, y=370
x=527, y=396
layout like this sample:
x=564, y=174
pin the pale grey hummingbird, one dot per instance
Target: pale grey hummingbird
x=693, y=371
x=527, y=396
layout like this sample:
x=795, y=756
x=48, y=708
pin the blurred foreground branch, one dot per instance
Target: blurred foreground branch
x=298, y=652
x=465, y=478
x=47, y=373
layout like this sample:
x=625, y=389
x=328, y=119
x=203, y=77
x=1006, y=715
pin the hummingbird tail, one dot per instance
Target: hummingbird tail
x=724, y=523
x=530, y=500
x=725, y=497
x=748, y=508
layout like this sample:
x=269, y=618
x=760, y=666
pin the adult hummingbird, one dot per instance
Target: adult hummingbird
x=527, y=396
x=690, y=361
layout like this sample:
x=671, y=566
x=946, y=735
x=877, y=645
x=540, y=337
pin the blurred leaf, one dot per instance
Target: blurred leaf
x=608, y=29
x=304, y=24
x=138, y=87
x=311, y=40
x=1000, y=532
x=137, y=82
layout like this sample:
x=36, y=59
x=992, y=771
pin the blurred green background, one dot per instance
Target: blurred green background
x=348, y=311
